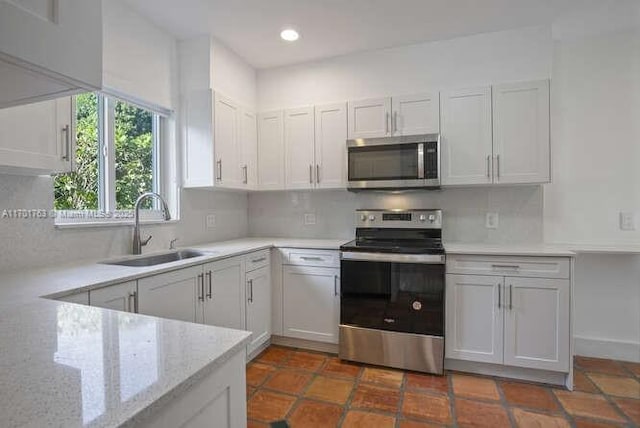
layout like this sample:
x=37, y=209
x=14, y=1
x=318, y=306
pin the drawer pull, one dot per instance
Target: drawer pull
x=510, y=296
x=314, y=259
x=505, y=266
x=499, y=295
x=261, y=259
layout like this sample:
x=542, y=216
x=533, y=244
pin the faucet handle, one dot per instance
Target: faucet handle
x=172, y=244
x=144, y=242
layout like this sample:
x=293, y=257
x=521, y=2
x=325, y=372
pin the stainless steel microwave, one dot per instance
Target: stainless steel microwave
x=393, y=163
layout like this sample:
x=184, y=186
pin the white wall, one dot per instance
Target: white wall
x=504, y=56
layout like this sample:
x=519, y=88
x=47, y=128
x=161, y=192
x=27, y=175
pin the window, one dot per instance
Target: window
x=116, y=160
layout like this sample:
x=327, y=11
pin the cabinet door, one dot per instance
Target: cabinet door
x=38, y=137
x=466, y=136
x=416, y=114
x=224, y=293
x=59, y=39
x=536, y=331
x=370, y=118
x=226, y=125
x=121, y=297
x=331, y=146
x=299, y=148
x=311, y=303
x=249, y=149
x=258, y=299
x=171, y=295
x=198, y=159
x=271, y=151
x=521, y=132
x=474, y=318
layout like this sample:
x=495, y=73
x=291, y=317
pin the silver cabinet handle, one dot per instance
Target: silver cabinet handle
x=499, y=296
x=219, y=169
x=505, y=266
x=67, y=142
x=395, y=121
x=131, y=302
x=498, y=166
x=316, y=259
x=250, y=283
x=335, y=285
x=201, y=287
x=261, y=259
x=318, y=174
x=387, y=120
x=488, y=166
x=311, y=174
x=246, y=175
x=210, y=293
x=510, y=296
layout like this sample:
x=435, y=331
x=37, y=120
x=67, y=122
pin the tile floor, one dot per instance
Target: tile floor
x=312, y=389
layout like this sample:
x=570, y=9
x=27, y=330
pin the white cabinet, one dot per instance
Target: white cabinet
x=416, y=114
x=49, y=48
x=222, y=294
x=509, y=314
x=271, y=151
x=466, y=136
x=226, y=142
x=370, y=118
x=331, y=145
x=521, y=132
x=311, y=303
x=38, y=138
x=249, y=149
x=474, y=318
x=171, y=295
x=536, y=329
x=121, y=297
x=258, y=315
x=299, y=148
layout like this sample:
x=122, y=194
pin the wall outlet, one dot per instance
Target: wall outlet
x=210, y=221
x=492, y=221
x=309, y=218
x=627, y=221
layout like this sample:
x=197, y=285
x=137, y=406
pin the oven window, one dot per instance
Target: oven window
x=393, y=162
x=403, y=297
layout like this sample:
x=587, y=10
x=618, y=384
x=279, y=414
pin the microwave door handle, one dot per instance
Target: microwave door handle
x=421, y=161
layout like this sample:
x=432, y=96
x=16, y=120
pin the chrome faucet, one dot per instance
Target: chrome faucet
x=137, y=242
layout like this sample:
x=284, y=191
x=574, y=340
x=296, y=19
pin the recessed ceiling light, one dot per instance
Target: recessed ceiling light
x=290, y=35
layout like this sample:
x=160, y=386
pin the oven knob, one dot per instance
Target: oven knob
x=416, y=306
x=372, y=218
x=363, y=217
x=432, y=218
x=423, y=217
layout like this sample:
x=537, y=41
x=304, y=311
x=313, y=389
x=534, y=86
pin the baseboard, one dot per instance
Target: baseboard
x=331, y=348
x=603, y=348
x=498, y=370
x=258, y=350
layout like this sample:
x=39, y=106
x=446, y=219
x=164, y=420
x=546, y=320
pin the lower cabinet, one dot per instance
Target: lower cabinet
x=171, y=295
x=221, y=300
x=121, y=297
x=258, y=301
x=311, y=301
x=510, y=320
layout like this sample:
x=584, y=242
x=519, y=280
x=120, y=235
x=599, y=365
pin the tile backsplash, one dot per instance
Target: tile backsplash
x=519, y=209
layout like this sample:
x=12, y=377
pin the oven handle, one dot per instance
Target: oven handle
x=394, y=258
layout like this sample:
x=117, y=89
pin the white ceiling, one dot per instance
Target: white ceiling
x=336, y=27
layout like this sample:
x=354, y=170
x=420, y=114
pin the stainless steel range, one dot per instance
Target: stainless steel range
x=392, y=290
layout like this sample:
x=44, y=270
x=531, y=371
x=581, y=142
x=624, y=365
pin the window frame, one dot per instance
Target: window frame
x=107, y=214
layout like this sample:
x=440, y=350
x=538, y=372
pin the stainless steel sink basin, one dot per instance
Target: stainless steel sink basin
x=157, y=259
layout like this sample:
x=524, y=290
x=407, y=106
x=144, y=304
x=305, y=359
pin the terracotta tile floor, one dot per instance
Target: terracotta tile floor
x=313, y=389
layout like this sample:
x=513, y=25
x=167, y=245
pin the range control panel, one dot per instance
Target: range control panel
x=407, y=219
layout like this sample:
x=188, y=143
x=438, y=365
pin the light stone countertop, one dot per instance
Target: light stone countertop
x=68, y=365
x=508, y=249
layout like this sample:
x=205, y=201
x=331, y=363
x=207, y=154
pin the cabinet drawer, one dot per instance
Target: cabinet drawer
x=257, y=260
x=302, y=257
x=533, y=267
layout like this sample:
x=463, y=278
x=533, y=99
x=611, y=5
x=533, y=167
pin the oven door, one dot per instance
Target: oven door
x=393, y=296
x=386, y=165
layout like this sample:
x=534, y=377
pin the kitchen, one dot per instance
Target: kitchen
x=254, y=141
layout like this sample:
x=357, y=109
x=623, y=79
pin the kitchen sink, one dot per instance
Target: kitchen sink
x=158, y=258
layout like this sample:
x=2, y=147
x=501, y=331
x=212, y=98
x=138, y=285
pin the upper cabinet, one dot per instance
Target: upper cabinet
x=49, y=48
x=466, y=136
x=271, y=151
x=38, y=138
x=496, y=134
x=249, y=149
x=521, y=132
x=226, y=124
x=331, y=145
x=299, y=148
x=396, y=116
